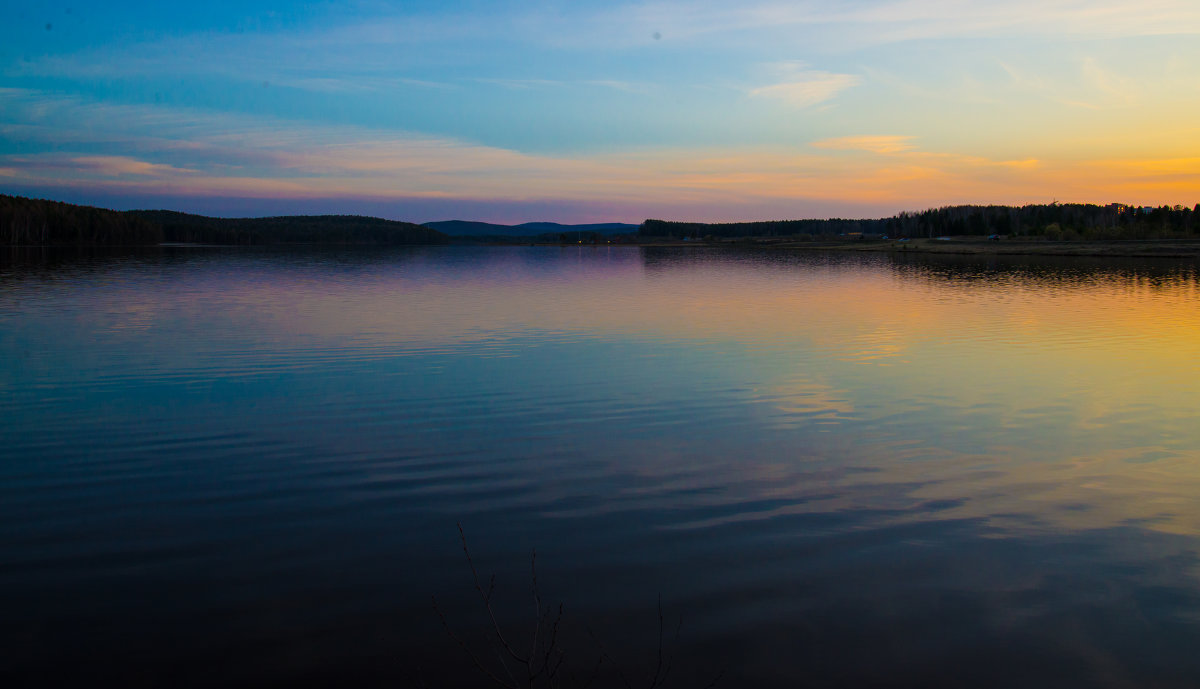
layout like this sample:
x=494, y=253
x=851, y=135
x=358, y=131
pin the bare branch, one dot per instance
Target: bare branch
x=658, y=669
x=553, y=645
x=474, y=659
x=545, y=658
x=604, y=655
x=537, y=617
x=487, y=600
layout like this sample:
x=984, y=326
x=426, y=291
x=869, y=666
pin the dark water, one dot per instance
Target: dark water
x=244, y=468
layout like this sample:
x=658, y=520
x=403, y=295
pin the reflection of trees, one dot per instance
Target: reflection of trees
x=945, y=269
x=1058, y=271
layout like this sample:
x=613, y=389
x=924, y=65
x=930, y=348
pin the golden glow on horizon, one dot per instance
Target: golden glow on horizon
x=683, y=110
x=905, y=178
x=893, y=171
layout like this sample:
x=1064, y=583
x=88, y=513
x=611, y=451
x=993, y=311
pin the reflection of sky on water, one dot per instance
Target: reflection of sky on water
x=1021, y=392
x=931, y=461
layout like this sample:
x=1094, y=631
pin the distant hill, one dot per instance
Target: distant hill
x=38, y=222
x=467, y=228
x=289, y=229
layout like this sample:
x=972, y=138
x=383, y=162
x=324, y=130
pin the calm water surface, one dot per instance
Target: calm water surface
x=244, y=468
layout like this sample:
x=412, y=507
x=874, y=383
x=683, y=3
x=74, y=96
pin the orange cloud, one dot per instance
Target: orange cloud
x=874, y=144
x=122, y=165
x=872, y=170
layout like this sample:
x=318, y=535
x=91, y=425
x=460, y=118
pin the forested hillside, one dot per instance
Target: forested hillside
x=292, y=229
x=36, y=222
x=1056, y=221
x=26, y=221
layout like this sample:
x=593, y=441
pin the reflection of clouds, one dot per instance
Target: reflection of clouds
x=936, y=511
x=1028, y=403
x=1011, y=493
x=804, y=400
x=1146, y=486
x=876, y=347
x=135, y=317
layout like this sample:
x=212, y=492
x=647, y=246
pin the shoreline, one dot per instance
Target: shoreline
x=1134, y=248
x=1143, y=248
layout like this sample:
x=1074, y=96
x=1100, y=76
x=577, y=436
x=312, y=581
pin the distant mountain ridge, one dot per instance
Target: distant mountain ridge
x=26, y=221
x=469, y=228
x=40, y=222
x=289, y=229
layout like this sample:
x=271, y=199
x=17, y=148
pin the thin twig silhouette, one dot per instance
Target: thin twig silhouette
x=541, y=664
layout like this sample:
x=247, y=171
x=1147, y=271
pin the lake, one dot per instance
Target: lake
x=246, y=467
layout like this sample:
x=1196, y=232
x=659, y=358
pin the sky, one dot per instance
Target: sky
x=587, y=111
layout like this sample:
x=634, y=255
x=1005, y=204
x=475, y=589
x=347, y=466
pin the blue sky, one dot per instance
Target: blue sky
x=588, y=111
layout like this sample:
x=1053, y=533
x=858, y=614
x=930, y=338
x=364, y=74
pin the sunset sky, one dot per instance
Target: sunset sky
x=590, y=111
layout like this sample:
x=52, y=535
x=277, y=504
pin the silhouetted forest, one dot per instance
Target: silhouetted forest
x=1056, y=221
x=290, y=229
x=36, y=222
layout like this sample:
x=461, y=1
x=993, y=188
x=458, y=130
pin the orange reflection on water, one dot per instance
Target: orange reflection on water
x=1034, y=395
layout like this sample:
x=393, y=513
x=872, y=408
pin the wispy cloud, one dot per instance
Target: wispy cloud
x=801, y=87
x=357, y=84
x=183, y=152
x=816, y=87
x=1115, y=87
x=873, y=144
x=394, y=43
x=1090, y=84
x=520, y=84
x=876, y=21
x=115, y=166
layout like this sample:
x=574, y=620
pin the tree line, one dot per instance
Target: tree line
x=1054, y=221
x=38, y=222
x=289, y=229
x=35, y=222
